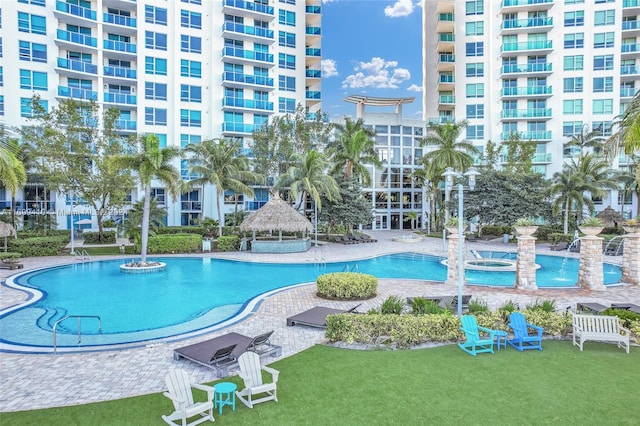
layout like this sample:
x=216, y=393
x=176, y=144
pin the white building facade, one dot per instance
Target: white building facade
x=544, y=69
x=185, y=70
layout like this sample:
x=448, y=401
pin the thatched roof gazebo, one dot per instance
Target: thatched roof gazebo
x=6, y=230
x=610, y=217
x=277, y=215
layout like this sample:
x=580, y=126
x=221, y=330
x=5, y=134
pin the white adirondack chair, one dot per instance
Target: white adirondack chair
x=180, y=392
x=251, y=373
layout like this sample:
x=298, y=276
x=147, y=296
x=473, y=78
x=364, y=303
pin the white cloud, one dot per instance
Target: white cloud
x=414, y=88
x=399, y=9
x=329, y=68
x=377, y=73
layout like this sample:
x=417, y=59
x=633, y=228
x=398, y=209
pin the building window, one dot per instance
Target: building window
x=1, y=104
x=602, y=40
x=34, y=24
x=602, y=128
x=190, y=68
x=155, y=116
x=286, y=83
x=1, y=76
x=574, y=40
x=603, y=106
x=574, y=19
x=475, y=49
x=190, y=93
x=602, y=84
x=475, y=132
x=474, y=7
x=475, y=90
x=33, y=80
x=605, y=17
x=154, y=40
x=190, y=118
x=155, y=91
x=574, y=63
x=286, y=17
x=155, y=15
x=190, y=44
x=475, y=111
x=186, y=140
x=571, y=128
x=474, y=28
x=26, y=107
x=286, y=39
x=287, y=105
x=603, y=62
x=573, y=85
x=475, y=69
x=159, y=195
x=572, y=106
x=190, y=19
x=32, y=51
x=157, y=66
x=193, y=1
x=287, y=62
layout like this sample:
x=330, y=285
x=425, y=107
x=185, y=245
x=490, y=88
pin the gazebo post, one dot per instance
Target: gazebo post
x=253, y=235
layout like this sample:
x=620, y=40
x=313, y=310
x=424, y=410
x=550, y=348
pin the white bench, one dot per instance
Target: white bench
x=599, y=328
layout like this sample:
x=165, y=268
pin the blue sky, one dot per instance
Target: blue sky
x=371, y=48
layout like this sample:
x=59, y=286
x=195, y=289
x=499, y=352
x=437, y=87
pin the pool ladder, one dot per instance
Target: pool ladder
x=79, y=317
x=83, y=255
x=354, y=268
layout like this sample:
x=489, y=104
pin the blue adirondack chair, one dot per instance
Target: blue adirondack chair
x=475, y=343
x=522, y=338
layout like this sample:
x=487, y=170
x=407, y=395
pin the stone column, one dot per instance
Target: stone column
x=631, y=259
x=526, y=263
x=591, y=273
x=452, y=258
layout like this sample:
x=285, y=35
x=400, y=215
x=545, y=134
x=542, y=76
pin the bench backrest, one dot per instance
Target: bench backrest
x=597, y=323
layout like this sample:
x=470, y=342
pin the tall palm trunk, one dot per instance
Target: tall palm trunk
x=145, y=224
x=220, y=218
x=566, y=216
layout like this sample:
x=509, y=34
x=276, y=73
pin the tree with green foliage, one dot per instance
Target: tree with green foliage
x=13, y=175
x=218, y=162
x=133, y=222
x=627, y=138
x=307, y=177
x=501, y=197
x=518, y=154
x=491, y=156
x=152, y=162
x=584, y=141
x=75, y=145
x=351, y=153
x=350, y=210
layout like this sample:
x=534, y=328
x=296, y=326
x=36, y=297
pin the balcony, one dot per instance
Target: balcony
x=630, y=28
x=541, y=157
x=313, y=10
x=77, y=93
x=120, y=72
x=445, y=42
x=447, y=99
x=513, y=26
x=74, y=11
x=119, y=23
x=238, y=128
x=530, y=91
x=246, y=56
x=246, y=79
x=253, y=205
x=252, y=9
x=540, y=46
x=539, y=135
x=76, y=38
x=120, y=98
x=251, y=33
x=516, y=114
x=313, y=51
x=240, y=103
x=630, y=49
x=446, y=23
x=524, y=70
x=127, y=125
x=627, y=92
x=446, y=61
x=443, y=119
x=313, y=94
x=120, y=47
x=80, y=67
x=630, y=7
x=191, y=205
x=313, y=73
x=529, y=5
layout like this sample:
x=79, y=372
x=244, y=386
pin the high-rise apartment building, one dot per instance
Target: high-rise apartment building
x=543, y=69
x=185, y=70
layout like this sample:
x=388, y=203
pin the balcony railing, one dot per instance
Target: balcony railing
x=447, y=99
x=527, y=45
x=80, y=66
x=628, y=92
x=254, y=205
x=630, y=25
x=247, y=78
x=313, y=74
x=78, y=93
x=313, y=51
x=440, y=120
x=248, y=54
x=119, y=46
x=72, y=9
x=246, y=29
x=313, y=31
x=247, y=103
x=84, y=39
x=630, y=3
x=191, y=205
x=526, y=23
x=249, y=5
x=120, y=98
x=310, y=94
x=528, y=136
x=630, y=48
x=446, y=37
x=127, y=124
x=313, y=9
x=526, y=91
x=526, y=68
x=526, y=113
x=447, y=57
x=30, y=206
x=629, y=69
x=508, y=3
x=541, y=157
x=126, y=21
x=120, y=72
x=238, y=127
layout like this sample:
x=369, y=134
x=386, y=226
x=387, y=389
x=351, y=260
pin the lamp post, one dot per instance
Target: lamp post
x=315, y=217
x=71, y=195
x=449, y=175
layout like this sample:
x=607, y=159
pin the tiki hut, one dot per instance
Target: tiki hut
x=278, y=215
x=6, y=230
x=610, y=217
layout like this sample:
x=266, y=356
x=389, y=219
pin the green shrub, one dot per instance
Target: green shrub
x=422, y=306
x=228, y=243
x=38, y=246
x=233, y=230
x=10, y=256
x=477, y=306
x=626, y=317
x=108, y=237
x=508, y=306
x=174, y=243
x=347, y=285
x=545, y=306
x=392, y=305
x=497, y=230
x=544, y=232
x=164, y=230
x=555, y=238
x=63, y=233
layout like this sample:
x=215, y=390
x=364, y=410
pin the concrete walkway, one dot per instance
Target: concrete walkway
x=39, y=381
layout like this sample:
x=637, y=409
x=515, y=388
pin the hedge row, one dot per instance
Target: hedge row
x=38, y=246
x=228, y=243
x=108, y=237
x=347, y=285
x=174, y=243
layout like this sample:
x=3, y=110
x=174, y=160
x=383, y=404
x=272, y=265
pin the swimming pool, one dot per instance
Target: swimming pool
x=194, y=294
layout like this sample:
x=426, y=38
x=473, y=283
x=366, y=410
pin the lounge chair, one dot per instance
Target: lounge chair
x=562, y=245
x=251, y=374
x=475, y=343
x=261, y=344
x=180, y=393
x=590, y=307
x=628, y=306
x=451, y=302
x=317, y=316
x=522, y=339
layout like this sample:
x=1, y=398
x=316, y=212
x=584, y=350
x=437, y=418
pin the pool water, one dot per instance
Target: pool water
x=197, y=293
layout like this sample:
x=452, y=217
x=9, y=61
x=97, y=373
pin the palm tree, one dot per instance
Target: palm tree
x=585, y=139
x=307, y=177
x=628, y=137
x=217, y=163
x=152, y=162
x=350, y=154
x=133, y=223
x=12, y=171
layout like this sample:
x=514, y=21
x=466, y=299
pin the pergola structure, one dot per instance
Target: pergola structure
x=362, y=101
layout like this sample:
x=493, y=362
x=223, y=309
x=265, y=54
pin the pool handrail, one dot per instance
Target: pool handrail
x=79, y=317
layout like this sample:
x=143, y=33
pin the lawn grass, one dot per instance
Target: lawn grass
x=330, y=386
